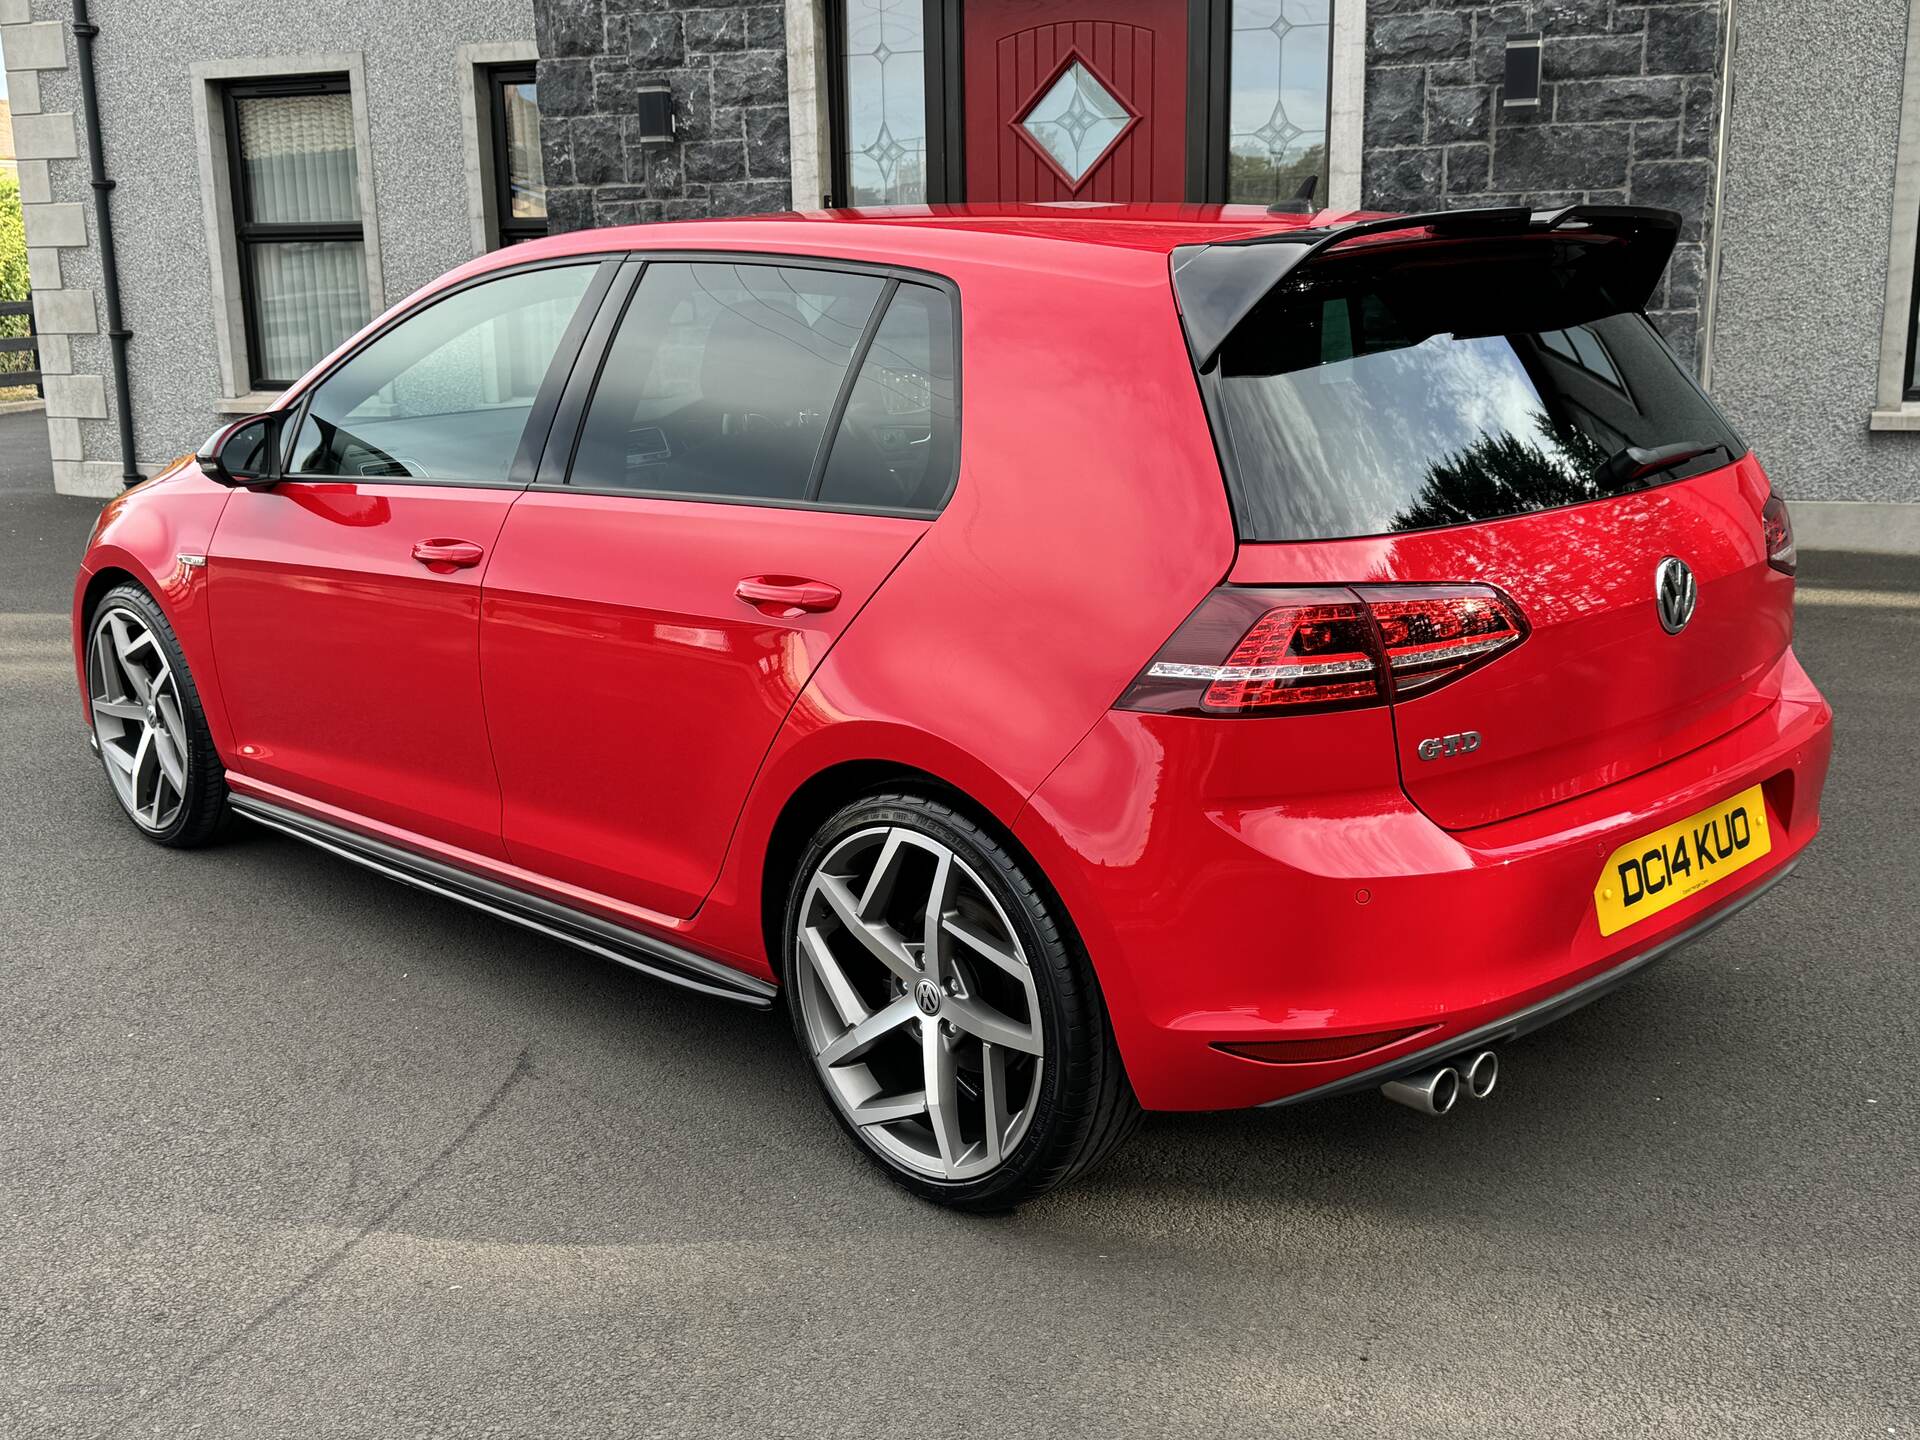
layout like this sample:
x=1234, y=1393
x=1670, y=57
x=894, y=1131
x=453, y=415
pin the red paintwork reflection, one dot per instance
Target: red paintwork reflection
x=351, y=672
x=631, y=694
x=1598, y=691
x=1280, y=885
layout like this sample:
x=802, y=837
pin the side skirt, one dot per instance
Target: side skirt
x=651, y=956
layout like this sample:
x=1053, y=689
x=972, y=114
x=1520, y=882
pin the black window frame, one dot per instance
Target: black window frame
x=247, y=232
x=1910, y=382
x=555, y=471
x=540, y=418
x=508, y=229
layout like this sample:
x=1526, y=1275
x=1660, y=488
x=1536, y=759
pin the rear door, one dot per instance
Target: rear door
x=762, y=445
x=1480, y=412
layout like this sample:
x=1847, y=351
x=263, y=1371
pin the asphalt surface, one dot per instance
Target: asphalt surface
x=288, y=1150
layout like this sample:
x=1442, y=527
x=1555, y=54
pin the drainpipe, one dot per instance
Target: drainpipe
x=1710, y=301
x=83, y=32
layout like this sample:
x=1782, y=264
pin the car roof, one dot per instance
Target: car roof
x=933, y=234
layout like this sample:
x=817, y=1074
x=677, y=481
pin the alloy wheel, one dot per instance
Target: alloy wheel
x=138, y=718
x=918, y=1004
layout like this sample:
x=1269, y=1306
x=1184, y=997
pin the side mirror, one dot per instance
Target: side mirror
x=247, y=452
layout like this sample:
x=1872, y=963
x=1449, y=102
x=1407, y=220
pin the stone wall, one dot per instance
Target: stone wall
x=1627, y=115
x=726, y=66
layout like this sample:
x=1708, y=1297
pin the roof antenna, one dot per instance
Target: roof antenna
x=1302, y=201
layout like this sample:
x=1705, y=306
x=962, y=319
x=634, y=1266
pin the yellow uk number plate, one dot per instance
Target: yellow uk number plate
x=1662, y=869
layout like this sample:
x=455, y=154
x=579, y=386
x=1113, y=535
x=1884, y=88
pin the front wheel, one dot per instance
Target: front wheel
x=957, y=1029
x=147, y=722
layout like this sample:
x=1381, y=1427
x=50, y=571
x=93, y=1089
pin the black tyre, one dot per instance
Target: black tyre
x=148, y=723
x=951, y=1016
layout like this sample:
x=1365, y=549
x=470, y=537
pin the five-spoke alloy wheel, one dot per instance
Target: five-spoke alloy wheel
x=147, y=722
x=918, y=1003
x=137, y=718
x=955, y=1029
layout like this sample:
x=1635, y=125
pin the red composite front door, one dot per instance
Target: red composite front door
x=1076, y=99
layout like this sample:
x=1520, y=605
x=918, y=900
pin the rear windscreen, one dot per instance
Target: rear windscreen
x=1371, y=397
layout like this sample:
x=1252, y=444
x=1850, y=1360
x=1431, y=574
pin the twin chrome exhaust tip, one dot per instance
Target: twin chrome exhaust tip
x=1436, y=1091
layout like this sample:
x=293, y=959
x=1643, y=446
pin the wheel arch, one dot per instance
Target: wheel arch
x=92, y=589
x=108, y=577
x=830, y=789
x=181, y=597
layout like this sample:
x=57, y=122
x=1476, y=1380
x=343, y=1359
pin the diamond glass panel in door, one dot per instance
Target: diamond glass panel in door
x=886, y=94
x=301, y=194
x=1277, y=109
x=1075, y=121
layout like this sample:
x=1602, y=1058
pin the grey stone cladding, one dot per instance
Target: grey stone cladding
x=1627, y=115
x=726, y=66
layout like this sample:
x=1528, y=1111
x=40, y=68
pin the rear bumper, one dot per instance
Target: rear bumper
x=1541, y=1012
x=1254, y=881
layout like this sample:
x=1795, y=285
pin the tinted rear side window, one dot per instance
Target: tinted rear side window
x=895, y=446
x=721, y=379
x=1368, y=399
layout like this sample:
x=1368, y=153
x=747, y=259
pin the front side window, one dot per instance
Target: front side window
x=721, y=380
x=519, y=177
x=444, y=394
x=296, y=178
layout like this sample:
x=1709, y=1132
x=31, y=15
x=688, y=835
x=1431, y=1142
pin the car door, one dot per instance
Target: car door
x=763, y=444
x=345, y=598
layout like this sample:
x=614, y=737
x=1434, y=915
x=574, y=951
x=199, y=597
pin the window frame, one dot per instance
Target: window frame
x=555, y=471
x=507, y=228
x=248, y=232
x=1896, y=399
x=1910, y=379
x=540, y=417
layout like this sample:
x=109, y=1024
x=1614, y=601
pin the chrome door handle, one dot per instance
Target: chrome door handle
x=446, y=556
x=785, y=596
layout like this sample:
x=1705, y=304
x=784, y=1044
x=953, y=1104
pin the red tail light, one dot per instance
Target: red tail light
x=1250, y=651
x=1777, y=526
x=1436, y=633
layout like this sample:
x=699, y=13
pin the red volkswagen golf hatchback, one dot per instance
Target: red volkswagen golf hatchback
x=1076, y=659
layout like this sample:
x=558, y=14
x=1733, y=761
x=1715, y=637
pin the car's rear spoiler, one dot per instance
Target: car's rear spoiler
x=1217, y=286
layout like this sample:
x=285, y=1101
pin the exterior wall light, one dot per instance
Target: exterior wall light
x=656, y=114
x=1522, y=85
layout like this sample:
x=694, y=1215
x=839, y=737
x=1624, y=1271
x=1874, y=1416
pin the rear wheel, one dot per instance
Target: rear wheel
x=147, y=722
x=956, y=1028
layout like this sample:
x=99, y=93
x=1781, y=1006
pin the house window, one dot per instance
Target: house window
x=882, y=132
x=519, y=180
x=296, y=177
x=1912, y=392
x=1281, y=53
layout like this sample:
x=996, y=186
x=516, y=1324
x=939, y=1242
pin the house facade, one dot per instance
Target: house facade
x=279, y=176
x=1792, y=289
x=1787, y=136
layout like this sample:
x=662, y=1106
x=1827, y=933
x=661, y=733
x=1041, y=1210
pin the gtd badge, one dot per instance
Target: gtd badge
x=1464, y=743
